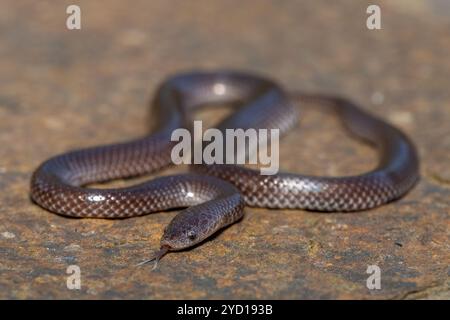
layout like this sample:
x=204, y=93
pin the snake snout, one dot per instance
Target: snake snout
x=178, y=239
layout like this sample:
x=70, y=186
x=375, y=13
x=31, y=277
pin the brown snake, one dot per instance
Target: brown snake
x=215, y=195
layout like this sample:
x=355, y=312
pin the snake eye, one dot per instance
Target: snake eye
x=191, y=235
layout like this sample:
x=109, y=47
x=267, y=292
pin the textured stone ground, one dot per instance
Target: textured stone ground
x=63, y=89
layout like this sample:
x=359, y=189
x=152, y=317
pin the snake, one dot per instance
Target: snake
x=213, y=196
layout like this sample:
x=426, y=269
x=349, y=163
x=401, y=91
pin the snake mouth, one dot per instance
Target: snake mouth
x=164, y=249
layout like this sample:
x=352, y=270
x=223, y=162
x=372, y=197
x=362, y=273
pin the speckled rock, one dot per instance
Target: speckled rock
x=62, y=89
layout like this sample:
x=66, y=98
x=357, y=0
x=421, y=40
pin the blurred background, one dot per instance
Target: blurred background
x=62, y=89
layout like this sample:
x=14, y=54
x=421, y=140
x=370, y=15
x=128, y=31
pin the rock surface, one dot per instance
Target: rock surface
x=62, y=89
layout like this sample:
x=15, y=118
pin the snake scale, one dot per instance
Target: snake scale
x=215, y=195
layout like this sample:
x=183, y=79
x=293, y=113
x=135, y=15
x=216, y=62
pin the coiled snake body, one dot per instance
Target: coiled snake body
x=215, y=195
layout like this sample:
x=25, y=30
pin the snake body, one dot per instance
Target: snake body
x=215, y=195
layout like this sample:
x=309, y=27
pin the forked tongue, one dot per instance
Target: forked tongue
x=156, y=257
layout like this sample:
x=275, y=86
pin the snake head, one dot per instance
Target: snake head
x=184, y=231
x=180, y=238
